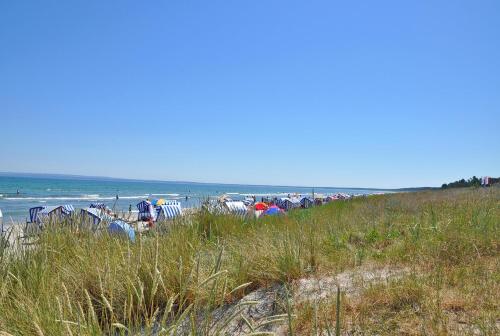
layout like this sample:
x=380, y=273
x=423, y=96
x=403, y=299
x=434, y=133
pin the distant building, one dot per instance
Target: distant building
x=485, y=181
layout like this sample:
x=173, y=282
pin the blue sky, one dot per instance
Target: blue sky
x=317, y=93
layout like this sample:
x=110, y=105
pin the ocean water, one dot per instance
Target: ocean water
x=18, y=194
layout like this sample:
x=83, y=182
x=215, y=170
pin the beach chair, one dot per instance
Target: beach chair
x=286, y=203
x=248, y=201
x=50, y=214
x=34, y=214
x=101, y=206
x=169, y=211
x=68, y=209
x=94, y=217
x=237, y=208
x=144, y=212
x=172, y=202
x=215, y=207
x=306, y=202
x=54, y=213
x=267, y=199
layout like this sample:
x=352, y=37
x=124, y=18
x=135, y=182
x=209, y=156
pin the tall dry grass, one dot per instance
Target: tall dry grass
x=74, y=281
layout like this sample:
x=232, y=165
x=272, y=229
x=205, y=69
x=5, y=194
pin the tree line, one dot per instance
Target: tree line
x=472, y=182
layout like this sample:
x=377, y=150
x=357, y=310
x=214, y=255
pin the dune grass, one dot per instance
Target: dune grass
x=76, y=282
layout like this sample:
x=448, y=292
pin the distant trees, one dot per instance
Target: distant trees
x=472, y=182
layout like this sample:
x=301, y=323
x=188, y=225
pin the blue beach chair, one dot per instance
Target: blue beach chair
x=169, y=211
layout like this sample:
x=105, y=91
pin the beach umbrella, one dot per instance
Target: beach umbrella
x=158, y=202
x=273, y=210
x=261, y=206
x=121, y=228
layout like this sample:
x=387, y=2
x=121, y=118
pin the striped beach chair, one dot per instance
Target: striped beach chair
x=91, y=214
x=144, y=212
x=172, y=202
x=68, y=209
x=237, y=208
x=101, y=206
x=248, y=201
x=306, y=202
x=34, y=214
x=168, y=211
x=94, y=216
x=213, y=206
x=55, y=213
x=286, y=203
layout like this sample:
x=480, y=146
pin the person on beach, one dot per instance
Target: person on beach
x=151, y=217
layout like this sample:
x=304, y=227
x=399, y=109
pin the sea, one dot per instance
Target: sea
x=19, y=193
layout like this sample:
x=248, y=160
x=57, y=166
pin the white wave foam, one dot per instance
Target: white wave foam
x=174, y=195
x=71, y=198
x=56, y=198
x=267, y=195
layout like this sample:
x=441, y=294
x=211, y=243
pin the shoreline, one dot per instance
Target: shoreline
x=20, y=205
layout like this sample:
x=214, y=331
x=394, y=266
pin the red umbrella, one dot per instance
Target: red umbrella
x=261, y=206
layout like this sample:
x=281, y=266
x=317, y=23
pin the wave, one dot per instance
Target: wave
x=131, y=197
x=173, y=195
x=72, y=198
x=65, y=198
x=268, y=194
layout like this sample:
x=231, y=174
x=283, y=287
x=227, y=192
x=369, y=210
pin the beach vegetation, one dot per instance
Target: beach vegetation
x=72, y=281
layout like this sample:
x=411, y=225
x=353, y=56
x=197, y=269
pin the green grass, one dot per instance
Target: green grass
x=76, y=282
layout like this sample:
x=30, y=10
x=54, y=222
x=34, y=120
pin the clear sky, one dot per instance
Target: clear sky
x=318, y=93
